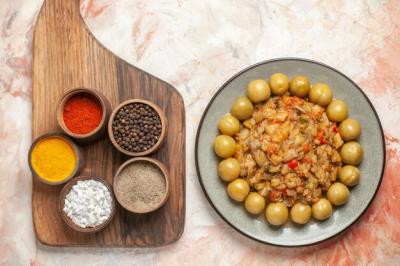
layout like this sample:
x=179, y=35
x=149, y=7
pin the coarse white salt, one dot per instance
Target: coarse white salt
x=88, y=204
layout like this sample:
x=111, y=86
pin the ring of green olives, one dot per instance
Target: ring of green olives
x=255, y=203
x=322, y=209
x=338, y=194
x=229, y=125
x=352, y=153
x=349, y=175
x=238, y=189
x=224, y=146
x=350, y=129
x=299, y=86
x=300, y=213
x=277, y=213
x=258, y=91
x=242, y=108
x=279, y=83
x=321, y=94
x=229, y=169
x=337, y=111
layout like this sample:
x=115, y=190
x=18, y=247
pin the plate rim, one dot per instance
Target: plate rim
x=271, y=61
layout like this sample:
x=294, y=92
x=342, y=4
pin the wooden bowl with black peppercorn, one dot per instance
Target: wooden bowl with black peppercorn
x=83, y=114
x=137, y=127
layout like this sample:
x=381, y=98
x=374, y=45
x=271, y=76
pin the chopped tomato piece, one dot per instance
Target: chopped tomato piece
x=306, y=147
x=321, y=137
x=293, y=164
x=273, y=195
x=335, y=129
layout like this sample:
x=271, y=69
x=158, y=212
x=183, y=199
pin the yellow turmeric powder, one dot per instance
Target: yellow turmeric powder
x=53, y=159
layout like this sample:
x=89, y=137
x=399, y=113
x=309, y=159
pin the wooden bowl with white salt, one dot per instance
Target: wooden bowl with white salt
x=141, y=185
x=76, y=214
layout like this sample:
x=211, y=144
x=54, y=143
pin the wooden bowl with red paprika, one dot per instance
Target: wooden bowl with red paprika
x=83, y=113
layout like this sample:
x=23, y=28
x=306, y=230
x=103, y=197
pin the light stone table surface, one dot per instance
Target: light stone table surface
x=196, y=45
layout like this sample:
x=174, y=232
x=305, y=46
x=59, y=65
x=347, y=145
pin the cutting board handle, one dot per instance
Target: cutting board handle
x=66, y=12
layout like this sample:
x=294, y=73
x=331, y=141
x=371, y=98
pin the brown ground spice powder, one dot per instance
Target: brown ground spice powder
x=141, y=185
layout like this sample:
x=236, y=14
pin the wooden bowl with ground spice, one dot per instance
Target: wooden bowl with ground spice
x=137, y=127
x=83, y=114
x=87, y=204
x=141, y=185
x=54, y=159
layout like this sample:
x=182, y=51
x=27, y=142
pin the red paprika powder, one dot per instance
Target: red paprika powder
x=82, y=113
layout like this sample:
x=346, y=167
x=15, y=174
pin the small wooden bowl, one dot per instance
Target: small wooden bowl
x=80, y=158
x=159, y=165
x=101, y=128
x=157, y=145
x=66, y=189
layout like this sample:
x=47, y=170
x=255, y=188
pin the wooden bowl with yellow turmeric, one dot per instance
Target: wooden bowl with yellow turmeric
x=54, y=159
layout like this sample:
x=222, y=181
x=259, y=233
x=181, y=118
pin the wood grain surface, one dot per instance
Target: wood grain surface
x=66, y=56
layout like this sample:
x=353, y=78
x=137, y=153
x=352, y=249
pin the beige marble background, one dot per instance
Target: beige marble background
x=197, y=45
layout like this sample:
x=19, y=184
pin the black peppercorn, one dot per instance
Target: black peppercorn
x=136, y=127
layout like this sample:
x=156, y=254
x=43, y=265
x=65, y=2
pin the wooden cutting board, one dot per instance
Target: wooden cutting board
x=66, y=56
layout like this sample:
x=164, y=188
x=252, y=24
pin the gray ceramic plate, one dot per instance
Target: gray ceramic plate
x=371, y=168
